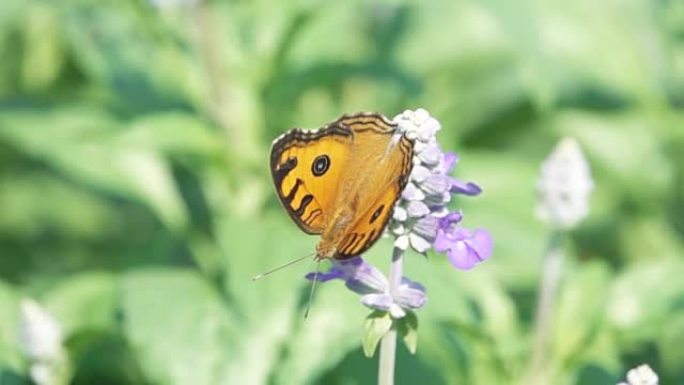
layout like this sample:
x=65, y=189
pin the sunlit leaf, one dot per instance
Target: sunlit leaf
x=580, y=310
x=320, y=341
x=10, y=358
x=407, y=328
x=375, y=327
x=175, y=322
x=85, y=302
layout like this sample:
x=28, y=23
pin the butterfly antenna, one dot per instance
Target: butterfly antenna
x=273, y=270
x=313, y=286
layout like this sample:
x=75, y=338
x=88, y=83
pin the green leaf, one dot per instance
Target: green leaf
x=470, y=319
x=9, y=326
x=65, y=137
x=641, y=299
x=44, y=56
x=123, y=64
x=175, y=322
x=408, y=331
x=670, y=342
x=376, y=325
x=580, y=310
x=506, y=209
x=336, y=310
x=172, y=133
x=268, y=241
x=32, y=204
x=604, y=138
x=268, y=307
x=646, y=238
x=87, y=301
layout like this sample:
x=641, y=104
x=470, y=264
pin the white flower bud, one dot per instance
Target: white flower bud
x=641, y=375
x=40, y=334
x=564, y=186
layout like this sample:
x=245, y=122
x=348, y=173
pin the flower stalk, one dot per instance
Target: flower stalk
x=388, y=344
x=552, y=272
x=563, y=189
x=388, y=349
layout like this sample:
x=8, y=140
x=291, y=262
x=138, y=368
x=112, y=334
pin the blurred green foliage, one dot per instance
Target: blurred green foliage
x=135, y=201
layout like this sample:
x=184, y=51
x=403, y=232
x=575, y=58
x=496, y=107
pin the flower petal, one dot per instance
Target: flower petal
x=367, y=279
x=420, y=173
x=449, y=161
x=482, y=243
x=418, y=243
x=402, y=242
x=417, y=209
x=469, y=188
x=420, y=116
x=465, y=252
x=323, y=276
x=428, y=129
x=359, y=276
x=410, y=294
x=461, y=257
x=431, y=154
x=450, y=219
x=427, y=227
x=412, y=193
x=396, y=311
x=399, y=213
x=397, y=228
x=379, y=301
x=437, y=184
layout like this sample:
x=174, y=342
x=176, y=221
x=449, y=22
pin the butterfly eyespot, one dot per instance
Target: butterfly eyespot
x=320, y=165
x=377, y=213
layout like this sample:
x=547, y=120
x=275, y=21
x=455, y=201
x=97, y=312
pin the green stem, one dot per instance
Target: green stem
x=548, y=293
x=388, y=345
x=388, y=349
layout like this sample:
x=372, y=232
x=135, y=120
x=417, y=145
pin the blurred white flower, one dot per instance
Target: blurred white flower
x=564, y=186
x=43, y=374
x=40, y=336
x=641, y=375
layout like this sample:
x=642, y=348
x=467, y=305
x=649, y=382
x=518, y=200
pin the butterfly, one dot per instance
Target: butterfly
x=341, y=181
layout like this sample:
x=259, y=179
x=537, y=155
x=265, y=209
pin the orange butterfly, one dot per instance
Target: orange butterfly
x=342, y=180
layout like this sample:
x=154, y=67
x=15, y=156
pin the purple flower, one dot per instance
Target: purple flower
x=464, y=248
x=359, y=276
x=470, y=188
x=421, y=218
x=365, y=279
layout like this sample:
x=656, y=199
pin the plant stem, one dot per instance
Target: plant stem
x=396, y=270
x=548, y=293
x=388, y=345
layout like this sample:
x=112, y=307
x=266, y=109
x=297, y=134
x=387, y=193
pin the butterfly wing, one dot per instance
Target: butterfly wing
x=387, y=161
x=306, y=167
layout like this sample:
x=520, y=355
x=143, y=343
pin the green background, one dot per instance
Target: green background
x=136, y=201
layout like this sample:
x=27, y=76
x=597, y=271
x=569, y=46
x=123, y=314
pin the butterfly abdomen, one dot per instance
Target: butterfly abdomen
x=333, y=235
